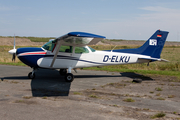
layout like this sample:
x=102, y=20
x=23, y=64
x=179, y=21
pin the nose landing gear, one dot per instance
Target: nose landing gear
x=32, y=75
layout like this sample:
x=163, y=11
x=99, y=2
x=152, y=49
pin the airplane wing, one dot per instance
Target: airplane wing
x=79, y=39
x=76, y=39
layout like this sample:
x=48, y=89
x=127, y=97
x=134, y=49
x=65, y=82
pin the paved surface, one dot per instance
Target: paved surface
x=89, y=96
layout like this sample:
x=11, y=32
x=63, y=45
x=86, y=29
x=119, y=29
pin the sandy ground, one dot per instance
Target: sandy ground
x=93, y=95
x=19, y=42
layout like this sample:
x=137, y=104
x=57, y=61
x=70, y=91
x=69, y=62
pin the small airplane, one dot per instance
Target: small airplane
x=70, y=51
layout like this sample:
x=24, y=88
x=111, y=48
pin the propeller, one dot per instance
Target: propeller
x=13, y=51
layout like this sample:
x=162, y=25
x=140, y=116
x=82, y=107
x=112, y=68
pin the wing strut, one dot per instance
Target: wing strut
x=55, y=56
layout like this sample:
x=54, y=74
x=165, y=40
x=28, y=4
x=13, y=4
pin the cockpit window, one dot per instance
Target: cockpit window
x=80, y=50
x=67, y=49
x=49, y=45
x=93, y=50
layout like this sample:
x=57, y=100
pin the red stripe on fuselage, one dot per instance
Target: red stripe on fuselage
x=34, y=53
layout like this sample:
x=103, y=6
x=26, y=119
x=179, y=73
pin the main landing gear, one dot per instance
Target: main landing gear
x=69, y=77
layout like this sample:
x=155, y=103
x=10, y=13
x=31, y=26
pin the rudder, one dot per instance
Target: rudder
x=154, y=45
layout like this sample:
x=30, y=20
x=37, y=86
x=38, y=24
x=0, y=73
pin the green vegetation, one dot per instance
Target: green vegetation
x=160, y=98
x=158, y=89
x=158, y=94
x=27, y=97
x=93, y=96
x=171, y=96
x=158, y=115
x=77, y=93
x=151, y=92
x=129, y=100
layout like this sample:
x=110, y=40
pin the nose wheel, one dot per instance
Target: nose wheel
x=31, y=75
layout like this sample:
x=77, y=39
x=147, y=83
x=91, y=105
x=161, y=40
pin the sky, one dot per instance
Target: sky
x=114, y=19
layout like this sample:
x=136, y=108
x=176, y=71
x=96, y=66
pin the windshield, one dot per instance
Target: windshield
x=49, y=45
x=93, y=50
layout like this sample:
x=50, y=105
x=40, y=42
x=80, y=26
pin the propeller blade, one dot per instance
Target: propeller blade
x=14, y=57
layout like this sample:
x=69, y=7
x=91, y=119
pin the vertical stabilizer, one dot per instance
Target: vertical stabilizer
x=154, y=45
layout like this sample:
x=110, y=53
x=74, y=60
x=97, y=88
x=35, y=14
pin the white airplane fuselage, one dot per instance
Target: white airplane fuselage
x=91, y=59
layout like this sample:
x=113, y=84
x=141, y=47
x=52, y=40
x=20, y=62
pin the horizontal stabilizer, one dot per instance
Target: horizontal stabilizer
x=154, y=59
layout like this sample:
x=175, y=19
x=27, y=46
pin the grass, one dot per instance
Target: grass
x=77, y=93
x=93, y=96
x=27, y=97
x=158, y=115
x=171, y=96
x=160, y=98
x=151, y=92
x=158, y=89
x=129, y=100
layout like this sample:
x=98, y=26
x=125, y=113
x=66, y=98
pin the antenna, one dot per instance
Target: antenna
x=113, y=48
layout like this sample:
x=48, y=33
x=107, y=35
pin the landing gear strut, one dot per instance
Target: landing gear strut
x=32, y=75
x=63, y=72
x=69, y=77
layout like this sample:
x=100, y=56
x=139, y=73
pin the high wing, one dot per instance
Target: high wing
x=75, y=39
x=79, y=39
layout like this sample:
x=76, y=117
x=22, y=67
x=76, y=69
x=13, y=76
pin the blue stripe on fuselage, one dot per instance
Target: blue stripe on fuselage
x=30, y=60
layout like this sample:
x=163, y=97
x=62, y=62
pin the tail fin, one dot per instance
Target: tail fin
x=154, y=45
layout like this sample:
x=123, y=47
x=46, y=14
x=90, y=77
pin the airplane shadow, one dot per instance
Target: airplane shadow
x=46, y=83
x=136, y=76
x=95, y=76
x=15, y=78
x=51, y=83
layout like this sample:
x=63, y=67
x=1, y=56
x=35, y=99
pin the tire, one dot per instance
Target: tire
x=69, y=77
x=63, y=72
x=31, y=76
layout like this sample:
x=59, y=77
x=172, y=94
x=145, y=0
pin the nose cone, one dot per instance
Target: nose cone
x=30, y=56
x=12, y=51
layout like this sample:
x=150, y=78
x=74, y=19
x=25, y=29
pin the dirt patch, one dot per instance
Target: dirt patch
x=19, y=42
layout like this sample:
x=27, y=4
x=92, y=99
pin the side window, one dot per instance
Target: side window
x=80, y=50
x=67, y=49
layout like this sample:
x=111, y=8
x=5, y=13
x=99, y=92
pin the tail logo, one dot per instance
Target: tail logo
x=153, y=42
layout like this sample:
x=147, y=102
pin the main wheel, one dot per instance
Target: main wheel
x=31, y=76
x=63, y=72
x=69, y=77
